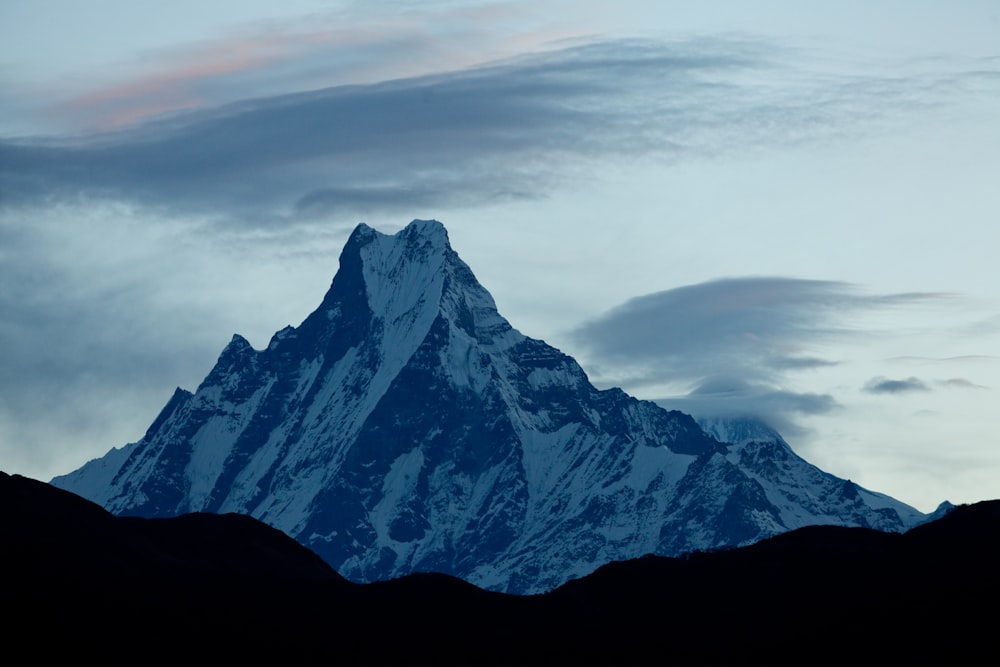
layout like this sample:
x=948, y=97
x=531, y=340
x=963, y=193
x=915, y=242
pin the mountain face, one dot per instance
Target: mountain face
x=405, y=426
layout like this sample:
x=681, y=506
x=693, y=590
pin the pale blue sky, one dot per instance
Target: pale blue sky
x=784, y=207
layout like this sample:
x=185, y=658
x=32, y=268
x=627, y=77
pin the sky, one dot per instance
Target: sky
x=786, y=209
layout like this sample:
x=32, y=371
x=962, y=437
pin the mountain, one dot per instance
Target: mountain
x=227, y=587
x=405, y=426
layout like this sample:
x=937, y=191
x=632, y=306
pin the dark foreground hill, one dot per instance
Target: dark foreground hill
x=81, y=583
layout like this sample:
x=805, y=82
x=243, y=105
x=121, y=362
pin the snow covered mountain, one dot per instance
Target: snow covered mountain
x=406, y=426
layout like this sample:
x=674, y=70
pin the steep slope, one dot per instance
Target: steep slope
x=406, y=426
x=803, y=494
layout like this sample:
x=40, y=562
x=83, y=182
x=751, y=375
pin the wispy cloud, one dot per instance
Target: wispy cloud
x=514, y=129
x=347, y=45
x=732, y=342
x=762, y=326
x=185, y=85
x=965, y=359
x=960, y=383
x=733, y=396
x=79, y=353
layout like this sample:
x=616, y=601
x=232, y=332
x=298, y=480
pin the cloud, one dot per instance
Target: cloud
x=354, y=44
x=960, y=383
x=966, y=358
x=735, y=397
x=517, y=129
x=881, y=385
x=485, y=132
x=762, y=326
x=731, y=344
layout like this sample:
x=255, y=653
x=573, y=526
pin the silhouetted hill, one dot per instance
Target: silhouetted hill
x=79, y=582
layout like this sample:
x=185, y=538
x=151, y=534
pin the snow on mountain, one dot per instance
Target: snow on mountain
x=804, y=494
x=406, y=426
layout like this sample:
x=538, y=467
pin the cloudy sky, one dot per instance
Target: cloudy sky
x=782, y=208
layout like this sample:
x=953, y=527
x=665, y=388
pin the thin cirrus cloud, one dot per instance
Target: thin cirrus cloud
x=966, y=358
x=287, y=54
x=961, y=383
x=517, y=129
x=184, y=86
x=730, y=345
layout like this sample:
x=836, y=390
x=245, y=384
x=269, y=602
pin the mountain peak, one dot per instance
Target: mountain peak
x=426, y=228
x=429, y=231
x=405, y=426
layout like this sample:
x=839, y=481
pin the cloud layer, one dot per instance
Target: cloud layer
x=511, y=130
x=730, y=345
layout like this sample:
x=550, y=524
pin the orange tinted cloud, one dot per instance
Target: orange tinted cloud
x=174, y=88
x=292, y=58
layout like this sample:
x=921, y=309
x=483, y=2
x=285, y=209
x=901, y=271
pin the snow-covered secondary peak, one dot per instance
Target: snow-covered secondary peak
x=738, y=430
x=406, y=426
